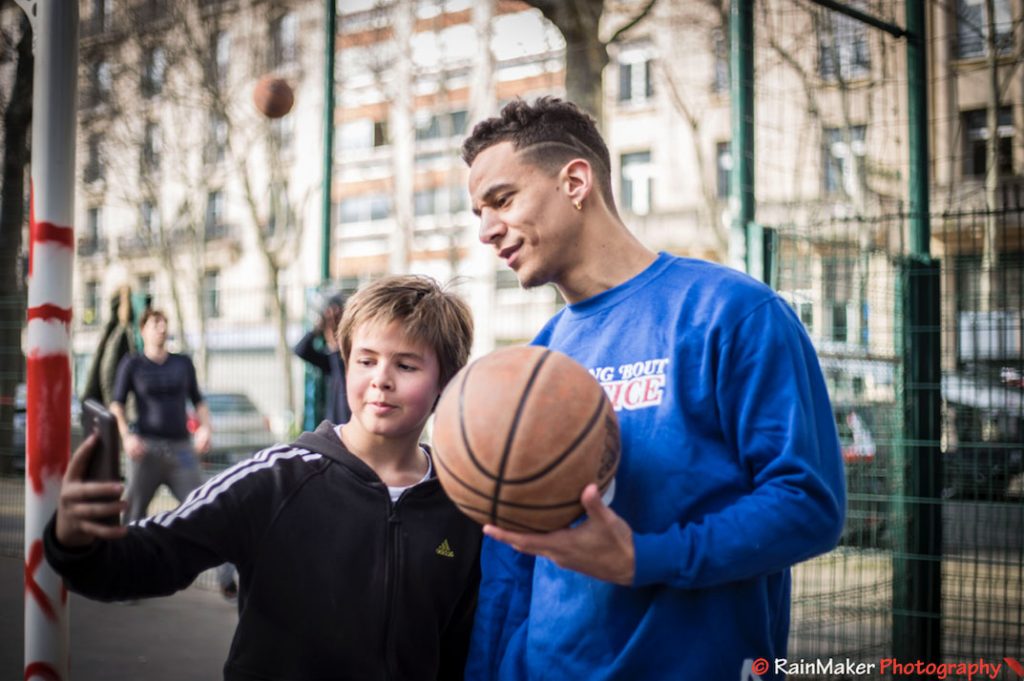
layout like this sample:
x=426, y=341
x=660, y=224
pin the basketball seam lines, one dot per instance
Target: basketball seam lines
x=569, y=450
x=503, y=463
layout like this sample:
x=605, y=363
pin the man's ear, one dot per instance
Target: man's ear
x=577, y=179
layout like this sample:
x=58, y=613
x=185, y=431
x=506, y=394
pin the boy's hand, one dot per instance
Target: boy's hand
x=82, y=503
x=601, y=546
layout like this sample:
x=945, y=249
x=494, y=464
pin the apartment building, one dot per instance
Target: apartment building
x=160, y=168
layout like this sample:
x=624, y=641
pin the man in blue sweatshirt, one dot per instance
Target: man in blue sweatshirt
x=731, y=469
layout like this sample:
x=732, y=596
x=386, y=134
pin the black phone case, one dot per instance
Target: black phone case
x=105, y=464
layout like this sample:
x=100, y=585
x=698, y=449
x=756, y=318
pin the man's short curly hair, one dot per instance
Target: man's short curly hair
x=549, y=133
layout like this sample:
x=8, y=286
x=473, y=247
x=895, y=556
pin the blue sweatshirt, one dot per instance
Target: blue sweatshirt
x=730, y=473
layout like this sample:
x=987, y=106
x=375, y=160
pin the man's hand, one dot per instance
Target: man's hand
x=601, y=546
x=134, y=447
x=82, y=504
x=202, y=439
x=329, y=326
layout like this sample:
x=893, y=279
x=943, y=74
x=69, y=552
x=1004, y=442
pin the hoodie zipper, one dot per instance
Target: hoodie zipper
x=392, y=563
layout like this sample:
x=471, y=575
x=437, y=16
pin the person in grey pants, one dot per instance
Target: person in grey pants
x=159, y=446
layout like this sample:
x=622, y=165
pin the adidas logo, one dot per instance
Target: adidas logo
x=445, y=550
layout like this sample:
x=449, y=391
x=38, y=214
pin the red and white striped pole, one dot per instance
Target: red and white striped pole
x=51, y=260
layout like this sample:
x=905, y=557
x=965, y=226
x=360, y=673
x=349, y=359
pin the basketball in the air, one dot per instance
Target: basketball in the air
x=518, y=435
x=273, y=96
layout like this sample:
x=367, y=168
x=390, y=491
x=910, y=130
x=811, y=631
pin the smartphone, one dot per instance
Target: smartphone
x=105, y=464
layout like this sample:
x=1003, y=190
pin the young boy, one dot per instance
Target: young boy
x=353, y=562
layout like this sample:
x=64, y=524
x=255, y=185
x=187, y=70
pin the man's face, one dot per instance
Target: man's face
x=524, y=215
x=154, y=332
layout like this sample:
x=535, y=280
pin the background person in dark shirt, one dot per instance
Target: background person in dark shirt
x=328, y=359
x=159, y=446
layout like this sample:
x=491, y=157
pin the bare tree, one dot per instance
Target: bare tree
x=237, y=153
x=15, y=46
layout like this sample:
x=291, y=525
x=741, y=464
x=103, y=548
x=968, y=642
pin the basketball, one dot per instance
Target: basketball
x=273, y=96
x=519, y=433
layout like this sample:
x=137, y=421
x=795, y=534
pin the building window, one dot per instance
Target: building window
x=842, y=159
x=94, y=223
x=102, y=81
x=90, y=242
x=152, y=145
x=220, y=54
x=972, y=28
x=723, y=165
x=154, y=71
x=94, y=159
x=806, y=312
x=837, y=275
x=840, y=331
x=437, y=126
x=145, y=285
x=976, y=140
x=637, y=182
x=362, y=134
x=216, y=149
x=423, y=202
x=211, y=294
x=214, y=212
x=150, y=218
x=366, y=208
x=636, y=83
x=101, y=15
x=283, y=31
x=91, y=303
x=720, y=44
x=843, y=47
x=279, y=214
x=282, y=131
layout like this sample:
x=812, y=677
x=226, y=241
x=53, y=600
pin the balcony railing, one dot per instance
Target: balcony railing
x=134, y=244
x=88, y=245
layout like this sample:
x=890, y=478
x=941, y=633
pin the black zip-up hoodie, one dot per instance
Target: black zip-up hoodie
x=336, y=581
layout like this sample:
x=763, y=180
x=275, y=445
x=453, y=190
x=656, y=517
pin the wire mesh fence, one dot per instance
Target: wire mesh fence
x=844, y=280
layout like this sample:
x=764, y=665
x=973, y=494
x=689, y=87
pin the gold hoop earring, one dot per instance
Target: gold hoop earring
x=578, y=205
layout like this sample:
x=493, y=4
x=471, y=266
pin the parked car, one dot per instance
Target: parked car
x=984, y=437
x=238, y=428
x=863, y=434
x=13, y=461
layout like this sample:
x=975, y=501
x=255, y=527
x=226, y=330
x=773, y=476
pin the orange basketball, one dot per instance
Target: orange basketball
x=519, y=433
x=273, y=96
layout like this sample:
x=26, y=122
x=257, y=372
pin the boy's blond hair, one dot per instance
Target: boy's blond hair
x=428, y=312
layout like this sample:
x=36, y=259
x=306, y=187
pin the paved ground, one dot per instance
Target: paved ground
x=181, y=638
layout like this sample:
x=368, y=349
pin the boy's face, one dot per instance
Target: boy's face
x=392, y=381
x=524, y=215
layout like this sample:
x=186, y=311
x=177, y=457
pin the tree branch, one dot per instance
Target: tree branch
x=633, y=22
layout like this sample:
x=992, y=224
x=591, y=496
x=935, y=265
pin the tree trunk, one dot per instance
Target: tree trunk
x=17, y=122
x=586, y=55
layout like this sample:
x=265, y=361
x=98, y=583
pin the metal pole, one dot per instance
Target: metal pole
x=48, y=366
x=329, y=40
x=917, y=589
x=741, y=49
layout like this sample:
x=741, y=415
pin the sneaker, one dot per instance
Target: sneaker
x=230, y=591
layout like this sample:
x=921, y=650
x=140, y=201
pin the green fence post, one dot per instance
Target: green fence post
x=917, y=566
x=741, y=47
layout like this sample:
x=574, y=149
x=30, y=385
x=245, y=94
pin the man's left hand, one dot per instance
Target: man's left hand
x=601, y=546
